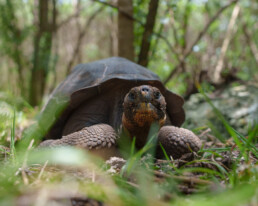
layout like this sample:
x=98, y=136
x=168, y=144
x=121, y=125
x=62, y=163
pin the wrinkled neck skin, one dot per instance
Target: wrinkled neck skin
x=139, y=132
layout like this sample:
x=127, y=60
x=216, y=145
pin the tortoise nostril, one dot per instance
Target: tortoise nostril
x=145, y=89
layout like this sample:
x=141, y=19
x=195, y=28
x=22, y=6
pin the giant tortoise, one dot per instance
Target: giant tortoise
x=113, y=95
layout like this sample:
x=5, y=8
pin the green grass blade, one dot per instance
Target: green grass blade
x=12, y=142
x=230, y=130
x=133, y=147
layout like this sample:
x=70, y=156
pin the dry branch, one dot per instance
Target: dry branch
x=219, y=67
x=137, y=21
x=201, y=34
x=251, y=43
x=80, y=38
x=183, y=178
x=125, y=13
x=76, y=14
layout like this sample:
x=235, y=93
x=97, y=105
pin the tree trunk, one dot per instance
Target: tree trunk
x=148, y=30
x=42, y=49
x=125, y=29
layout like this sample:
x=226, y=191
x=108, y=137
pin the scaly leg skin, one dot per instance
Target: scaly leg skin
x=99, y=138
x=177, y=141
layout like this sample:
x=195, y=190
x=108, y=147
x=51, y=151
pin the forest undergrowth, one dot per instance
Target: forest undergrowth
x=223, y=172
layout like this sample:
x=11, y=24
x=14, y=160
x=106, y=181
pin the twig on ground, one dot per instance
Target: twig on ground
x=42, y=170
x=205, y=132
x=184, y=178
x=24, y=165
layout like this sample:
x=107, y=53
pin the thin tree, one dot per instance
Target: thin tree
x=148, y=32
x=46, y=26
x=125, y=29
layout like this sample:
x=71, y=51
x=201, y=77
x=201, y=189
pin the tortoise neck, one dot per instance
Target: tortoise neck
x=133, y=130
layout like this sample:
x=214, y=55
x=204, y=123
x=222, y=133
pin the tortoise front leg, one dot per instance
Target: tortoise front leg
x=99, y=137
x=178, y=141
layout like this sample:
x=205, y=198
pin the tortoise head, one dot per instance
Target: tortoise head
x=143, y=105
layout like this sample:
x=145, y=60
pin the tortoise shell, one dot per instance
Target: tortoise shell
x=90, y=80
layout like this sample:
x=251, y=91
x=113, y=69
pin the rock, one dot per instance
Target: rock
x=238, y=105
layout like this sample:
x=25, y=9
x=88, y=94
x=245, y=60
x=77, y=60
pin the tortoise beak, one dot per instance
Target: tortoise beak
x=146, y=96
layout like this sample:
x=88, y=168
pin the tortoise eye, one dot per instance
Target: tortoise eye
x=157, y=95
x=132, y=95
